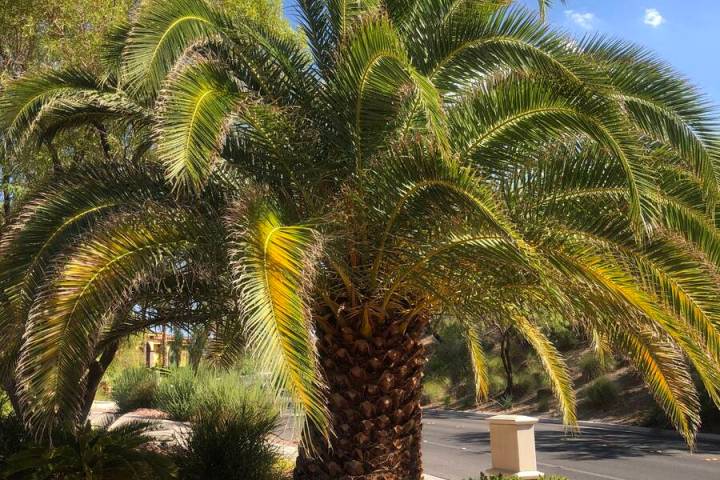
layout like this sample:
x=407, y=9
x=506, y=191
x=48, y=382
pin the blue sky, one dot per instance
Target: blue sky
x=685, y=33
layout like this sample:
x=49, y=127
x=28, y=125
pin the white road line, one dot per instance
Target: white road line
x=444, y=445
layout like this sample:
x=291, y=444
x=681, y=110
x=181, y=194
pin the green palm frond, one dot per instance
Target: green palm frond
x=374, y=76
x=64, y=322
x=521, y=110
x=50, y=218
x=193, y=120
x=466, y=46
x=661, y=102
x=273, y=267
x=159, y=37
x=419, y=182
x=677, y=395
x=664, y=372
x=113, y=47
x=25, y=99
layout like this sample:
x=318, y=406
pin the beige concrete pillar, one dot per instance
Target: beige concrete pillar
x=512, y=443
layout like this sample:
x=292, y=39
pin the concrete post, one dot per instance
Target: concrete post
x=512, y=443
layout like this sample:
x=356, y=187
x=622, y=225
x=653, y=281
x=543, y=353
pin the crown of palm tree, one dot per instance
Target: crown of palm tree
x=420, y=158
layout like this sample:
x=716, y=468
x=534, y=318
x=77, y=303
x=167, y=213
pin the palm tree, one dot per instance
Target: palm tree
x=421, y=159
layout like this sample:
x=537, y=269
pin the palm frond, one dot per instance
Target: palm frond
x=478, y=361
x=51, y=217
x=273, y=267
x=196, y=106
x=160, y=36
x=554, y=365
x=64, y=322
x=374, y=77
x=521, y=110
x=25, y=99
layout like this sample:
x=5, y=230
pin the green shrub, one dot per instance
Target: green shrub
x=229, y=442
x=434, y=392
x=563, y=337
x=505, y=401
x=99, y=454
x=602, y=393
x=592, y=366
x=177, y=394
x=135, y=388
x=544, y=398
x=530, y=379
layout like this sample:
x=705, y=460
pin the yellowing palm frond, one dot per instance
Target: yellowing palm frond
x=274, y=266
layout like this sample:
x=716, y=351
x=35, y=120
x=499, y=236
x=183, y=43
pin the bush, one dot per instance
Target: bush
x=563, y=337
x=135, y=388
x=602, y=393
x=544, y=398
x=592, y=367
x=103, y=454
x=229, y=442
x=435, y=392
x=181, y=392
x=530, y=378
x=177, y=394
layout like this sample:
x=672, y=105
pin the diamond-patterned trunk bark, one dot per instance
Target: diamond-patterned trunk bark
x=374, y=400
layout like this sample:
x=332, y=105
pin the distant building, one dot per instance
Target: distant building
x=152, y=347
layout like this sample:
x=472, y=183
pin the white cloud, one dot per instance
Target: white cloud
x=653, y=17
x=584, y=19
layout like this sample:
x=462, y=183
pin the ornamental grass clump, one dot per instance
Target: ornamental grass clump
x=230, y=441
x=135, y=388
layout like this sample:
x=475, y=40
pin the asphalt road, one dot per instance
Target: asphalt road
x=457, y=446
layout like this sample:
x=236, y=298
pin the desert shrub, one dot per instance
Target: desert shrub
x=181, y=392
x=104, y=454
x=602, y=393
x=505, y=401
x=591, y=366
x=177, y=394
x=544, y=398
x=135, y=388
x=434, y=392
x=450, y=365
x=530, y=378
x=563, y=337
x=229, y=442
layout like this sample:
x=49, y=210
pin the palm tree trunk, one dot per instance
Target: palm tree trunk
x=54, y=158
x=507, y=363
x=104, y=143
x=10, y=388
x=6, y=196
x=95, y=374
x=374, y=400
